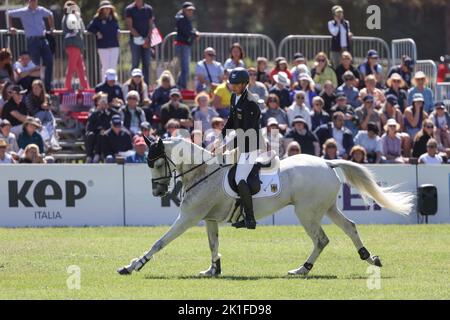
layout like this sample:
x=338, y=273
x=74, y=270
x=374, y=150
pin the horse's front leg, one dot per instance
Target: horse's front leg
x=212, y=228
x=179, y=227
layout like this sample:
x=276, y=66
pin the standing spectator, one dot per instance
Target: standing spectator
x=105, y=27
x=444, y=69
x=405, y=70
x=186, y=35
x=112, y=88
x=299, y=108
x=337, y=130
x=415, y=115
x=330, y=150
x=422, y=137
x=281, y=89
x=203, y=113
x=255, y=86
x=15, y=110
x=32, y=18
x=6, y=68
x=322, y=71
x=306, y=139
x=318, y=115
x=372, y=90
x=274, y=111
x=299, y=59
x=116, y=140
x=5, y=157
x=419, y=86
x=391, y=143
x=131, y=114
x=140, y=151
x=139, y=19
x=8, y=136
x=350, y=90
x=262, y=74
x=431, y=156
x=161, y=95
x=30, y=135
x=305, y=84
x=371, y=142
x=281, y=65
x=236, y=59
x=358, y=155
x=137, y=83
x=26, y=71
x=395, y=83
x=328, y=95
x=350, y=119
x=371, y=66
x=367, y=113
x=73, y=33
x=441, y=120
x=341, y=36
x=209, y=72
x=222, y=97
x=346, y=65
x=176, y=110
x=293, y=149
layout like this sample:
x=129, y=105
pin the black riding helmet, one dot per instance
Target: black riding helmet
x=239, y=75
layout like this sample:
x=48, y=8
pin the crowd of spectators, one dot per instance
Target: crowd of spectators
x=329, y=107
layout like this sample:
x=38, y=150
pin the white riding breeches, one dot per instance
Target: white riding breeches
x=245, y=165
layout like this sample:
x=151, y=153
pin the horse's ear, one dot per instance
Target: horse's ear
x=148, y=142
x=160, y=143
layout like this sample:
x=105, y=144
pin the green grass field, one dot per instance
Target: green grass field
x=34, y=262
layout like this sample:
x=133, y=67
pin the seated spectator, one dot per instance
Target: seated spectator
x=420, y=82
x=6, y=68
x=209, y=72
x=215, y=132
x=161, y=94
x=337, y=130
x=112, y=88
x=373, y=91
x=328, y=95
x=318, y=116
x=26, y=71
x=391, y=110
x=15, y=110
x=371, y=66
x=395, y=84
x=305, y=84
x=346, y=65
x=30, y=135
x=350, y=118
x=31, y=155
x=391, y=143
x=98, y=123
x=117, y=139
x=350, y=90
x=8, y=136
x=281, y=89
x=323, y=71
x=415, y=115
x=299, y=60
x=146, y=130
x=6, y=94
x=292, y=149
x=367, y=113
x=281, y=65
x=358, y=155
x=330, y=150
x=299, y=108
x=203, y=113
x=236, y=59
x=172, y=129
x=272, y=137
x=431, y=156
x=140, y=151
x=405, y=70
x=255, y=86
x=274, y=111
x=174, y=109
x=422, y=137
x=371, y=142
x=262, y=74
x=136, y=83
x=196, y=137
x=222, y=97
x=441, y=120
x=131, y=114
x=5, y=157
x=306, y=139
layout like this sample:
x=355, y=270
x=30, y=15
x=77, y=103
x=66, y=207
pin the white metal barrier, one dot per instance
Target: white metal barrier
x=402, y=47
x=430, y=69
x=443, y=93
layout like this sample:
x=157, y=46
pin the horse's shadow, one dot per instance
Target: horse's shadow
x=239, y=278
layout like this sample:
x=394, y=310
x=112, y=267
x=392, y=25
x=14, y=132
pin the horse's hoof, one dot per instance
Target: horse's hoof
x=377, y=261
x=123, y=271
x=302, y=271
x=214, y=270
x=209, y=273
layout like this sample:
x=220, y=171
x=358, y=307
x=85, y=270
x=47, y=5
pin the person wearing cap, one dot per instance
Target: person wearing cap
x=174, y=109
x=140, y=151
x=441, y=120
x=420, y=82
x=255, y=86
x=112, y=88
x=262, y=74
x=131, y=113
x=15, y=110
x=344, y=66
x=116, y=139
x=370, y=66
x=415, y=115
x=306, y=84
x=350, y=90
x=298, y=59
x=431, y=156
x=350, y=119
x=30, y=135
x=282, y=89
x=391, y=110
x=395, y=85
x=367, y=113
x=299, y=108
x=274, y=111
x=405, y=70
x=203, y=113
x=8, y=136
x=5, y=157
x=146, y=129
x=222, y=96
x=322, y=71
x=370, y=88
x=371, y=141
x=301, y=133
x=186, y=35
x=272, y=137
x=317, y=114
x=105, y=27
x=209, y=73
x=136, y=83
x=341, y=36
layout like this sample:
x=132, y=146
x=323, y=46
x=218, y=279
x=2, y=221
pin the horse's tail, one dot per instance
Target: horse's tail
x=362, y=179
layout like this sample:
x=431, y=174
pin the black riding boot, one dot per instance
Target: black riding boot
x=246, y=201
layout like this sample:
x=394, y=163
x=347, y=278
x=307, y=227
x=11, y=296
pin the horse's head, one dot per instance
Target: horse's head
x=159, y=164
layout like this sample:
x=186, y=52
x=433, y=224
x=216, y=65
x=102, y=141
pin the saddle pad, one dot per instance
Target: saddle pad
x=270, y=186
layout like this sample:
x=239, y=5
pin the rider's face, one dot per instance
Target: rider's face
x=238, y=88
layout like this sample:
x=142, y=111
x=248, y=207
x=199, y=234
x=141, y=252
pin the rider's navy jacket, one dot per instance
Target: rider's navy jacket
x=245, y=115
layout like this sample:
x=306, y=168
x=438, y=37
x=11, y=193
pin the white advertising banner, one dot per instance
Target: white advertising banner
x=350, y=201
x=61, y=195
x=439, y=176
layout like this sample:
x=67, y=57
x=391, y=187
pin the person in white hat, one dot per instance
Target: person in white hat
x=5, y=157
x=391, y=143
x=415, y=115
x=306, y=84
x=420, y=82
x=111, y=88
x=299, y=108
x=136, y=82
x=281, y=88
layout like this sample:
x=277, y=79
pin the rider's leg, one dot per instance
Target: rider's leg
x=243, y=169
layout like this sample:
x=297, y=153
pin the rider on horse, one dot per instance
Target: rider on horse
x=245, y=114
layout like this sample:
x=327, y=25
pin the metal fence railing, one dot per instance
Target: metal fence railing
x=402, y=47
x=430, y=69
x=310, y=45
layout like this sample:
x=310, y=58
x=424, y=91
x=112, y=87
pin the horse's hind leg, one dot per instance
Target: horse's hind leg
x=349, y=228
x=311, y=222
x=212, y=228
